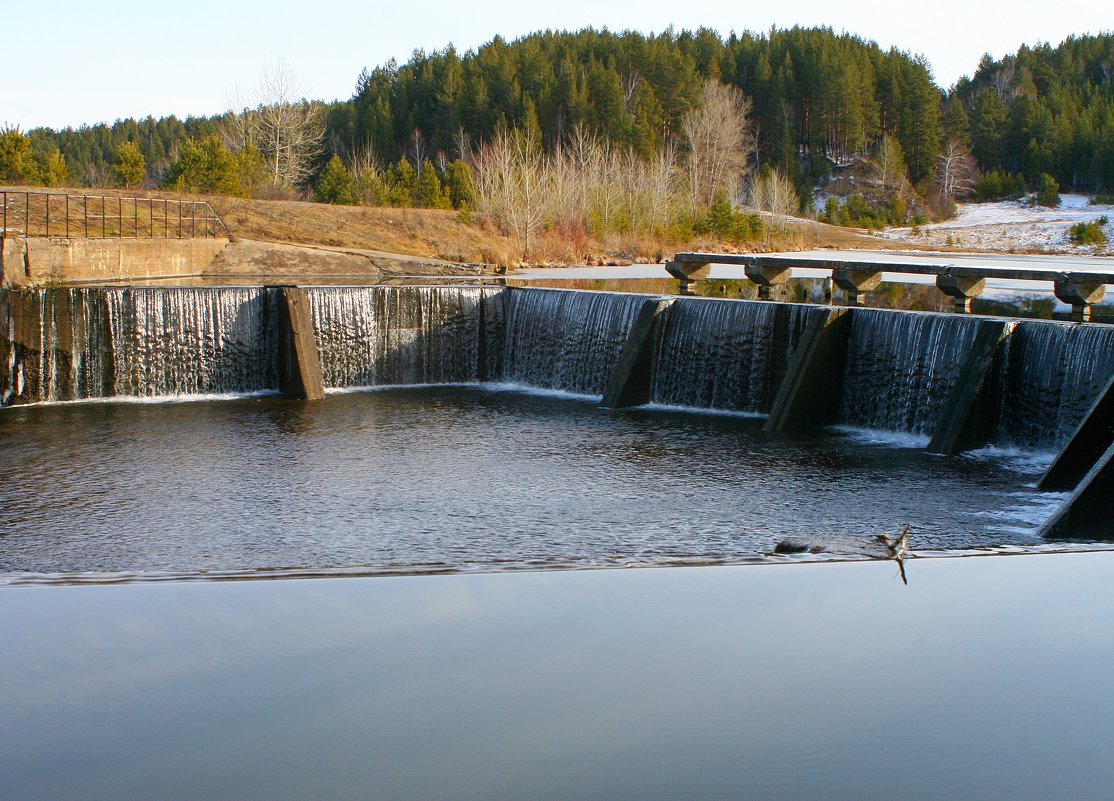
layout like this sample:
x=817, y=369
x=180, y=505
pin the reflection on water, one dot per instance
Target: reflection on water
x=986, y=678
x=466, y=478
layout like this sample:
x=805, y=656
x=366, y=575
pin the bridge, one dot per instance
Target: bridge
x=961, y=283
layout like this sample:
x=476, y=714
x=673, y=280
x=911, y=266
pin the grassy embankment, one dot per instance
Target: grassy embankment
x=442, y=235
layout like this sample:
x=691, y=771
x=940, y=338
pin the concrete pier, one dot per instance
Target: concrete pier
x=962, y=290
x=299, y=362
x=1086, y=512
x=959, y=428
x=810, y=392
x=688, y=273
x=856, y=281
x=767, y=277
x=1086, y=446
x=1080, y=295
x=629, y=383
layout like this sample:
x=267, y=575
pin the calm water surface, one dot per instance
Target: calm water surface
x=986, y=678
x=464, y=478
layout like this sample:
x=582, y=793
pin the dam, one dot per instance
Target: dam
x=489, y=427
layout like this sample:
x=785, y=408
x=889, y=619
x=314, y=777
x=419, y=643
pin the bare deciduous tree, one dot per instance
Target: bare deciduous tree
x=720, y=142
x=955, y=170
x=288, y=130
x=773, y=192
x=513, y=180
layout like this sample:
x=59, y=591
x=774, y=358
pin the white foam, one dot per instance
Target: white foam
x=667, y=407
x=368, y=388
x=893, y=439
x=155, y=399
x=1021, y=461
x=541, y=392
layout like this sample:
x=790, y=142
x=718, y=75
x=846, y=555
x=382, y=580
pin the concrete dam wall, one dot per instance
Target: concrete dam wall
x=44, y=260
x=956, y=382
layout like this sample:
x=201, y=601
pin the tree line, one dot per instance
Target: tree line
x=815, y=99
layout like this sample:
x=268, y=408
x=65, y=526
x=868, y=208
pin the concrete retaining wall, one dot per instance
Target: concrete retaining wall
x=40, y=260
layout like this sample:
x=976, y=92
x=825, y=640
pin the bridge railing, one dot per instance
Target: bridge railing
x=41, y=214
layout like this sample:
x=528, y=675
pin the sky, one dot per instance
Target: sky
x=69, y=63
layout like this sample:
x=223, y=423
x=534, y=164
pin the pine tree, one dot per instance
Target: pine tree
x=54, y=171
x=16, y=164
x=131, y=166
x=334, y=184
x=205, y=165
x=429, y=191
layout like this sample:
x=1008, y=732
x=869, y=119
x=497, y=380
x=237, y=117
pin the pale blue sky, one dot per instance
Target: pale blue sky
x=70, y=62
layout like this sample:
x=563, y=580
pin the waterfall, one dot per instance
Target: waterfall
x=54, y=348
x=375, y=336
x=1049, y=379
x=901, y=367
x=192, y=341
x=71, y=344
x=726, y=354
x=566, y=339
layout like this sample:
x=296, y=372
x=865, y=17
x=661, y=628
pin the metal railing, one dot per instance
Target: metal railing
x=97, y=216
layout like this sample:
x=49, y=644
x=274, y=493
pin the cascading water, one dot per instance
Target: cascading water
x=192, y=341
x=70, y=344
x=725, y=354
x=1050, y=378
x=901, y=367
x=54, y=345
x=565, y=339
x=374, y=336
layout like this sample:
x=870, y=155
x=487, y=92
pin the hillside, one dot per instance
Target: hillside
x=437, y=241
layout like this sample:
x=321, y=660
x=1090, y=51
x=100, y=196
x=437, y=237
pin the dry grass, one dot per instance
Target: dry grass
x=437, y=234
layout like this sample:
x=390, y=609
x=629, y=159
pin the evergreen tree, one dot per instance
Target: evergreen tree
x=1048, y=192
x=205, y=165
x=54, y=170
x=131, y=166
x=16, y=163
x=334, y=184
x=429, y=192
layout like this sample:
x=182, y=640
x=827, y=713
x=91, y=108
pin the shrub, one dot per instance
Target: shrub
x=1048, y=193
x=1089, y=233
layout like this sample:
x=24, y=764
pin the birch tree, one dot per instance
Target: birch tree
x=288, y=130
x=955, y=170
x=720, y=142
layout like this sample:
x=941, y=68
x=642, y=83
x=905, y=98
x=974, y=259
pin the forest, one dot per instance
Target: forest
x=802, y=103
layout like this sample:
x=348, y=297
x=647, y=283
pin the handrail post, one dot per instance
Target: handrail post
x=104, y=214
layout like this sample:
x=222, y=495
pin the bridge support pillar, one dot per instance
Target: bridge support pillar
x=1086, y=446
x=767, y=277
x=959, y=427
x=962, y=290
x=809, y=394
x=1086, y=512
x=855, y=282
x=688, y=273
x=1081, y=297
